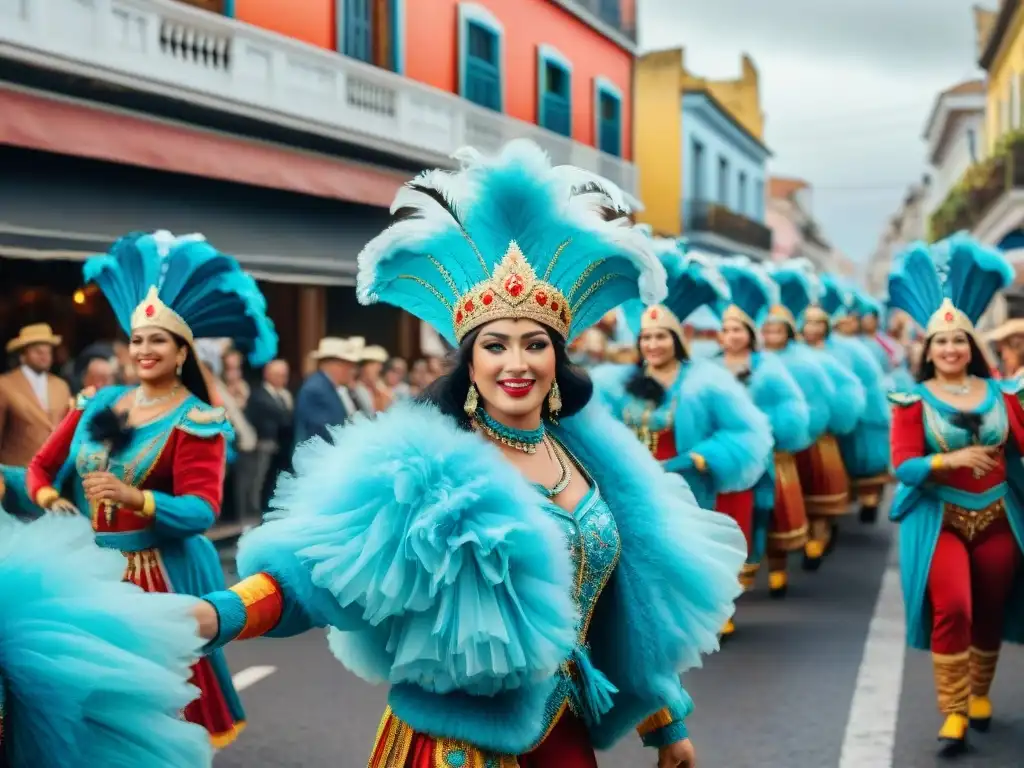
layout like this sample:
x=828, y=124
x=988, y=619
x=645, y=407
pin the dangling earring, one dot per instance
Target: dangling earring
x=554, y=400
x=180, y=368
x=472, y=400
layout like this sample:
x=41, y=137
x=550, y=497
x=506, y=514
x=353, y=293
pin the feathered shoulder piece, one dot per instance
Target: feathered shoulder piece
x=752, y=292
x=187, y=287
x=949, y=285
x=504, y=238
x=435, y=541
x=693, y=281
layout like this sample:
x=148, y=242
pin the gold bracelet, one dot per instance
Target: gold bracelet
x=936, y=462
x=46, y=495
x=699, y=463
x=148, y=504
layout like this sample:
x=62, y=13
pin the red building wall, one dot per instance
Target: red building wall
x=432, y=49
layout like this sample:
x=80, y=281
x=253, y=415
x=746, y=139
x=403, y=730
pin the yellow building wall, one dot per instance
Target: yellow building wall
x=741, y=96
x=1006, y=67
x=658, y=139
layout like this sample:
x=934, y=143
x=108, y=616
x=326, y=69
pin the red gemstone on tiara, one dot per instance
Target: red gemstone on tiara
x=949, y=317
x=514, y=285
x=487, y=298
x=554, y=306
x=458, y=316
x=150, y=310
x=468, y=305
x=654, y=314
x=541, y=297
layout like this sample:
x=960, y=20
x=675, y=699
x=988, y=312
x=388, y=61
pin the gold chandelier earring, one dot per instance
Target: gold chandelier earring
x=554, y=400
x=472, y=400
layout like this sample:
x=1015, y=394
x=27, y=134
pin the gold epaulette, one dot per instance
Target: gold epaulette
x=904, y=399
x=207, y=414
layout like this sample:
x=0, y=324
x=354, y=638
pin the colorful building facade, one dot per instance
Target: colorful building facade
x=701, y=155
x=281, y=131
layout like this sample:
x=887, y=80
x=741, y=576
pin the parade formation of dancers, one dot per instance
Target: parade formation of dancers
x=532, y=552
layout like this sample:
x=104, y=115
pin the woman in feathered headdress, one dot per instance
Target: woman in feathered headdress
x=502, y=553
x=823, y=474
x=957, y=439
x=147, y=463
x=93, y=671
x=864, y=454
x=697, y=423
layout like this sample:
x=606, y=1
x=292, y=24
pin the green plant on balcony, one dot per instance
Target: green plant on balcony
x=980, y=186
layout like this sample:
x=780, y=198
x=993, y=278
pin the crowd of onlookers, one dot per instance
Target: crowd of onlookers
x=346, y=377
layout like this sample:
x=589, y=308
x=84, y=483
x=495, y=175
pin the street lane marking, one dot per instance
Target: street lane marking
x=250, y=676
x=870, y=736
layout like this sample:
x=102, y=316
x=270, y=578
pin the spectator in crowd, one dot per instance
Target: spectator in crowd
x=98, y=373
x=325, y=398
x=270, y=410
x=32, y=400
x=1009, y=343
x=419, y=377
x=369, y=391
x=234, y=377
x=125, y=369
x=394, y=377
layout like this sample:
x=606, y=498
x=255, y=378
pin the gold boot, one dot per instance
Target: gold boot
x=952, y=686
x=748, y=576
x=979, y=706
x=728, y=630
x=778, y=584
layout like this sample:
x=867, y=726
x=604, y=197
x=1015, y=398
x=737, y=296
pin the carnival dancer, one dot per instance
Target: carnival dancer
x=823, y=474
x=695, y=422
x=864, y=450
x=508, y=557
x=956, y=448
x=778, y=396
x=147, y=463
x=93, y=671
x=888, y=352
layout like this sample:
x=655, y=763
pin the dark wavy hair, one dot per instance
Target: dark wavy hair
x=448, y=392
x=978, y=366
x=642, y=386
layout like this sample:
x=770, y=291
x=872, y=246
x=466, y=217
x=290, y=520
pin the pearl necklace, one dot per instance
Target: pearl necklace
x=141, y=401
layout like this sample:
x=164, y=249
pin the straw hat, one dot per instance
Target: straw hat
x=39, y=333
x=1010, y=328
x=374, y=354
x=333, y=348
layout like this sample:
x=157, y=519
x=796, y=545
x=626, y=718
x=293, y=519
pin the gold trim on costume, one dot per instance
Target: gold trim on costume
x=660, y=316
x=660, y=719
x=46, y=495
x=699, y=462
x=948, y=318
x=952, y=682
x=153, y=313
x=781, y=314
x=970, y=523
x=814, y=312
x=148, y=504
x=983, y=670
x=514, y=292
x=733, y=312
x=253, y=591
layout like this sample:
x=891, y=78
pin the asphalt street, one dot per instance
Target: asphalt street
x=818, y=680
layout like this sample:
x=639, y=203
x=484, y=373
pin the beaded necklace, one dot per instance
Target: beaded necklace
x=525, y=440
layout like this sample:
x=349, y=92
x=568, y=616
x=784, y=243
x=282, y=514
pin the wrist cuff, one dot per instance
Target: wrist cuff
x=231, y=617
x=46, y=495
x=936, y=462
x=148, y=504
x=666, y=735
x=699, y=462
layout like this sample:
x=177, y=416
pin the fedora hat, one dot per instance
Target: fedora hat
x=333, y=348
x=373, y=354
x=1014, y=327
x=38, y=333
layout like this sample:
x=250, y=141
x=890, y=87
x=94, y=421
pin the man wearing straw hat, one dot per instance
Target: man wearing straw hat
x=325, y=398
x=32, y=400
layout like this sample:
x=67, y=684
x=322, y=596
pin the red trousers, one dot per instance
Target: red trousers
x=566, y=746
x=968, y=586
x=740, y=507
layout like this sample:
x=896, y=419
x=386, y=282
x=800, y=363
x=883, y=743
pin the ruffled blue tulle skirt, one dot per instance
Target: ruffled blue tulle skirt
x=94, y=671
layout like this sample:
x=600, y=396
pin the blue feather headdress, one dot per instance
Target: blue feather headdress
x=185, y=286
x=867, y=305
x=948, y=286
x=752, y=292
x=797, y=288
x=693, y=282
x=507, y=237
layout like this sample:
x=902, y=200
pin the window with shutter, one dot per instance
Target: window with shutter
x=480, y=53
x=554, y=91
x=358, y=29
x=608, y=118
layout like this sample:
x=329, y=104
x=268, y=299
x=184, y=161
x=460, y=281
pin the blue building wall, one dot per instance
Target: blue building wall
x=722, y=141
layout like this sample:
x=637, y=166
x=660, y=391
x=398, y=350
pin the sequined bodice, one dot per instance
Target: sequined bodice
x=943, y=435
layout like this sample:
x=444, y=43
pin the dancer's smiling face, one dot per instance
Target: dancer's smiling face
x=513, y=367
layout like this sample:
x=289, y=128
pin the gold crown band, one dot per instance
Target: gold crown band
x=658, y=316
x=153, y=313
x=780, y=314
x=733, y=312
x=512, y=292
x=815, y=312
x=947, y=319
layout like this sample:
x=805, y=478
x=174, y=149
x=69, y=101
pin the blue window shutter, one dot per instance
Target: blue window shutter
x=609, y=124
x=483, y=67
x=610, y=12
x=556, y=98
x=358, y=30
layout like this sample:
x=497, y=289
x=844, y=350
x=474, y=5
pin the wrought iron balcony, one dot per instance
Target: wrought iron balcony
x=717, y=219
x=171, y=49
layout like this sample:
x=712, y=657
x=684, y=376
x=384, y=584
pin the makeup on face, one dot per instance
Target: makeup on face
x=950, y=352
x=154, y=354
x=658, y=347
x=513, y=368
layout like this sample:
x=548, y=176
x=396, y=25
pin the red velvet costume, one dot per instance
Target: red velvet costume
x=185, y=465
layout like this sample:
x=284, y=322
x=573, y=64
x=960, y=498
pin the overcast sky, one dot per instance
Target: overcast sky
x=846, y=86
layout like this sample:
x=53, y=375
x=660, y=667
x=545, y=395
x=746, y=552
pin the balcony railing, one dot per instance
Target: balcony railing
x=706, y=216
x=980, y=188
x=171, y=49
